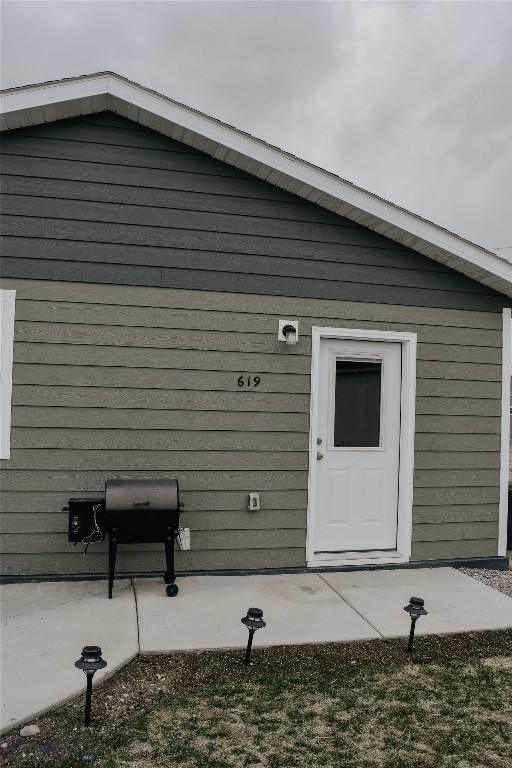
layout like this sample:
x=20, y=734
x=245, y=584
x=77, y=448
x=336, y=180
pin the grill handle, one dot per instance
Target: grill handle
x=141, y=503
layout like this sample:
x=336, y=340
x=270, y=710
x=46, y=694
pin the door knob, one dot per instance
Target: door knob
x=319, y=456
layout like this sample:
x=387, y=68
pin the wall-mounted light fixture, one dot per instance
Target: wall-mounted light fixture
x=288, y=331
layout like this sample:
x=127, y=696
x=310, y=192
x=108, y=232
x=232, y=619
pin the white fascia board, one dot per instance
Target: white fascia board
x=53, y=93
x=282, y=169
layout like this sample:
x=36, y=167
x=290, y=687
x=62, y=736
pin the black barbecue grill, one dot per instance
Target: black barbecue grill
x=132, y=512
x=142, y=512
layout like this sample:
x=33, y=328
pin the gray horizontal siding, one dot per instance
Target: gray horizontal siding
x=154, y=461
x=456, y=495
x=480, y=344
x=133, y=157
x=455, y=453
x=460, y=532
x=153, y=378
x=120, y=204
x=275, y=538
x=446, y=441
x=427, y=483
x=428, y=550
x=225, y=303
x=57, y=522
x=159, y=440
x=128, y=562
x=268, y=519
x=93, y=480
x=131, y=381
x=456, y=513
x=64, y=180
x=129, y=418
x=150, y=399
x=155, y=221
x=456, y=460
x=218, y=381
x=120, y=274
x=99, y=313
x=246, y=188
x=48, y=502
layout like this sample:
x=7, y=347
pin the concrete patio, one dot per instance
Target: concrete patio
x=45, y=625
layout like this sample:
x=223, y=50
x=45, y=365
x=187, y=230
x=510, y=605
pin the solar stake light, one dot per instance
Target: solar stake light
x=253, y=621
x=415, y=609
x=89, y=662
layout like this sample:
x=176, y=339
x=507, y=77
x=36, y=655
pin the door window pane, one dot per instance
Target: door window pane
x=357, y=404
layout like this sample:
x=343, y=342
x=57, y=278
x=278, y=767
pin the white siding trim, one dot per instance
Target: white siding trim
x=7, y=303
x=506, y=372
x=407, y=431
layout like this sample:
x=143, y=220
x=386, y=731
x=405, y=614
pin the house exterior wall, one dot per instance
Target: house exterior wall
x=149, y=278
x=134, y=381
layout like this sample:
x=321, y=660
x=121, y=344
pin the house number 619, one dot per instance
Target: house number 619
x=247, y=381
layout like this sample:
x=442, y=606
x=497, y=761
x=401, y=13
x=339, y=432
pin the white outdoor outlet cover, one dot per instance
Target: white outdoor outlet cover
x=254, y=502
x=293, y=323
x=184, y=539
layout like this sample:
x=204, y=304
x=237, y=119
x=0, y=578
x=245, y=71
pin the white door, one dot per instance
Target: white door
x=358, y=446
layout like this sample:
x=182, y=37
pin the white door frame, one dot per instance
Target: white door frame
x=407, y=426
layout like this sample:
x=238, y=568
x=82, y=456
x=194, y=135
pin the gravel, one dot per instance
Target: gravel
x=499, y=580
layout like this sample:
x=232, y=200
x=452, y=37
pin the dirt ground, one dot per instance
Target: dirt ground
x=353, y=705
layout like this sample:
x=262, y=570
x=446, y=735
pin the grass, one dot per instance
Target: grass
x=443, y=714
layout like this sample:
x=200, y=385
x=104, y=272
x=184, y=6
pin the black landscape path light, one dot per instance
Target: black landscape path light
x=89, y=662
x=415, y=609
x=253, y=621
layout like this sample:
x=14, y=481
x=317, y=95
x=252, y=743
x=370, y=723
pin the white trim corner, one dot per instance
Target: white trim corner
x=506, y=372
x=7, y=309
x=407, y=433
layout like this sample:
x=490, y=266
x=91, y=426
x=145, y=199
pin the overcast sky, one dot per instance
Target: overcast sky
x=410, y=100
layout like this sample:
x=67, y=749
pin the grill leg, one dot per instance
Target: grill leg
x=112, y=552
x=170, y=576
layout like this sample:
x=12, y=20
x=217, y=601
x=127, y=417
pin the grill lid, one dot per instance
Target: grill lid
x=141, y=494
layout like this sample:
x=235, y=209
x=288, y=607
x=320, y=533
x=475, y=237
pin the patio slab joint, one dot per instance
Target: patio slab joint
x=365, y=618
